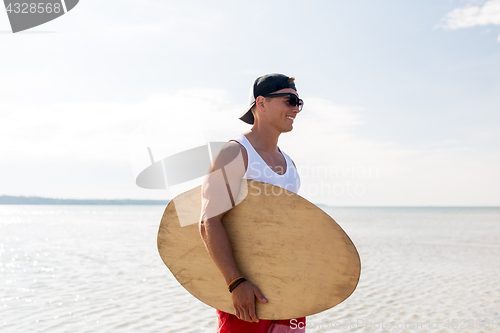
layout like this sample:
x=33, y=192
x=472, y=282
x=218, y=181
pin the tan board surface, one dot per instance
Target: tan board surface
x=299, y=257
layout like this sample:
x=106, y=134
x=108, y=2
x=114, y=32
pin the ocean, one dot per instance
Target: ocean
x=82, y=268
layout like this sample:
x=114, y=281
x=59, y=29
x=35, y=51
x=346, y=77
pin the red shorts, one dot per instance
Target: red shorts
x=228, y=323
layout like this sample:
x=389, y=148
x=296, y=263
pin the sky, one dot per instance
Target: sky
x=402, y=98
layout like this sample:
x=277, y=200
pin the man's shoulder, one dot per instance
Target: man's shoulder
x=231, y=148
x=235, y=145
x=229, y=153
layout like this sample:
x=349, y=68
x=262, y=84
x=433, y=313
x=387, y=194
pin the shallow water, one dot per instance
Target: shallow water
x=97, y=269
x=425, y=269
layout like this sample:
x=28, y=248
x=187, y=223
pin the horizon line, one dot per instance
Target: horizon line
x=36, y=200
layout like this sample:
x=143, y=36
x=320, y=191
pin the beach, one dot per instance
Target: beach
x=70, y=268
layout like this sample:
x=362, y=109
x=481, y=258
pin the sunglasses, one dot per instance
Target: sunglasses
x=293, y=100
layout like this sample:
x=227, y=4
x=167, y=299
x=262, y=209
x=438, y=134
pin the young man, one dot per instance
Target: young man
x=274, y=104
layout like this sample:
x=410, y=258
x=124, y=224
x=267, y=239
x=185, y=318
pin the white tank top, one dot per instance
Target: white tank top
x=259, y=170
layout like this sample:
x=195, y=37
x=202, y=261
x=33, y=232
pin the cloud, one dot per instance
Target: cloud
x=340, y=166
x=80, y=150
x=471, y=16
x=86, y=150
x=97, y=130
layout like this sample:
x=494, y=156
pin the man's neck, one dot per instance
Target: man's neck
x=263, y=138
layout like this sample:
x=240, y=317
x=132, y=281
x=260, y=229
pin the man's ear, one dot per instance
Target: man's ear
x=259, y=103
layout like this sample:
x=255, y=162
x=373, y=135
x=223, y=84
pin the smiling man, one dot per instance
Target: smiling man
x=274, y=104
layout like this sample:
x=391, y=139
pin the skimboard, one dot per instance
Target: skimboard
x=298, y=256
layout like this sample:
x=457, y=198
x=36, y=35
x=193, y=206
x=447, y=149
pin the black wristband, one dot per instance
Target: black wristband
x=236, y=284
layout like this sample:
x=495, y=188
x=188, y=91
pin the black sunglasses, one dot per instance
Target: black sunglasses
x=293, y=100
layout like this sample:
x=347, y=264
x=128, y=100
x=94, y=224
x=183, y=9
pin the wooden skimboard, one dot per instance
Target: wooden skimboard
x=299, y=257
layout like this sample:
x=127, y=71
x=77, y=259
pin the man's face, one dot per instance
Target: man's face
x=279, y=112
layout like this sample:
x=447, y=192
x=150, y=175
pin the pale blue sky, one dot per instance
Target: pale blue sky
x=410, y=89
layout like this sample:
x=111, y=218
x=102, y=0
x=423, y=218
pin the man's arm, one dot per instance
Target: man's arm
x=219, y=191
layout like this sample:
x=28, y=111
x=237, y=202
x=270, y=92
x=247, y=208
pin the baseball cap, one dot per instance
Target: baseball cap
x=265, y=85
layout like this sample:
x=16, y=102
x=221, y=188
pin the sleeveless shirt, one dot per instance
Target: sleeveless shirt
x=258, y=169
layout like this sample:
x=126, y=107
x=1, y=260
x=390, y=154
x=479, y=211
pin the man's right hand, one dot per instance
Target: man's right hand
x=244, y=301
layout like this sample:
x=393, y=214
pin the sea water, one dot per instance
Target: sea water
x=97, y=269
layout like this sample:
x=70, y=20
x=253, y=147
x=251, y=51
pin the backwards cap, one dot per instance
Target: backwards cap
x=265, y=85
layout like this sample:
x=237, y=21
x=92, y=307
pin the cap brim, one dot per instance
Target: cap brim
x=247, y=116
